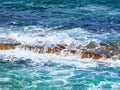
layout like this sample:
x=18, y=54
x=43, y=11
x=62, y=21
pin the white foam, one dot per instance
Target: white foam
x=60, y=38
x=93, y=87
x=17, y=54
x=54, y=37
x=38, y=35
x=4, y=79
x=37, y=28
x=114, y=86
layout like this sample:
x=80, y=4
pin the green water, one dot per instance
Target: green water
x=49, y=22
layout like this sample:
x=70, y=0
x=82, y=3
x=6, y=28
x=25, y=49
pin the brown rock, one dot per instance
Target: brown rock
x=89, y=52
x=90, y=55
x=6, y=46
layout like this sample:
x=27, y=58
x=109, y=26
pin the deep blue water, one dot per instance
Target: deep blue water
x=89, y=14
x=61, y=21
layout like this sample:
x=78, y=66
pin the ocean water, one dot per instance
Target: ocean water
x=51, y=22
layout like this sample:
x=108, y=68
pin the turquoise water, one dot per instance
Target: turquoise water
x=50, y=72
x=49, y=22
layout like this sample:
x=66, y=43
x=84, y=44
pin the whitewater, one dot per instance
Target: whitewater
x=76, y=27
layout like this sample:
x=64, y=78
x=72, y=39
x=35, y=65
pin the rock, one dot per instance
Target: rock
x=91, y=55
x=6, y=46
x=91, y=52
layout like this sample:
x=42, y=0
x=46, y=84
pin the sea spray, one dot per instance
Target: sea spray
x=60, y=22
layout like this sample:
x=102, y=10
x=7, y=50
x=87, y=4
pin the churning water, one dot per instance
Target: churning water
x=49, y=22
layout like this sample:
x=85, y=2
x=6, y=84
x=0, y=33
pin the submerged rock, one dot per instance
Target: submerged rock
x=106, y=51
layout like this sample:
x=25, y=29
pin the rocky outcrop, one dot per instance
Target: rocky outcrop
x=7, y=46
x=89, y=51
